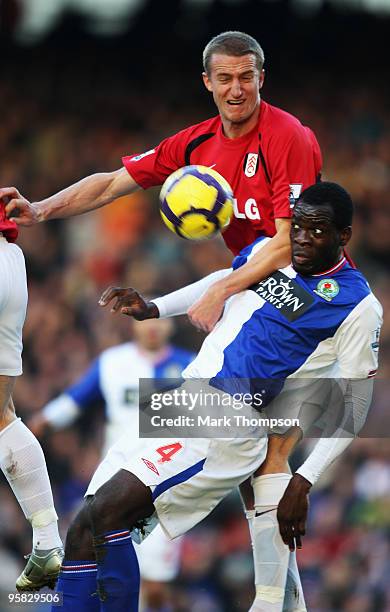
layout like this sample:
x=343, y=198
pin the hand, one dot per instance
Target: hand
x=129, y=302
x=207, y=311
x=292, y=511
x=17, y=208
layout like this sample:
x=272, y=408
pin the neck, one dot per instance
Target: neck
x=331, y=267
x=236, y=130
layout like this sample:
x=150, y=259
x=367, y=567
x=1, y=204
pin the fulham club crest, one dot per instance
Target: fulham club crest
x=251, y=164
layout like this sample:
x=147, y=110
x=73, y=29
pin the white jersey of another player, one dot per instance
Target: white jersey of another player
x=113, y=379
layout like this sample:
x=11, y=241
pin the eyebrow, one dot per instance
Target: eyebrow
x=313, y=221
x=246, y=73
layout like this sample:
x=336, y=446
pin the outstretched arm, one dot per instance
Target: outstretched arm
x=91, y=192
x=128, y=301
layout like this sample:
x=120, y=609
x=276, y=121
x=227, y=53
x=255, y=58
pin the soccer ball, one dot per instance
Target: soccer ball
x=196, y=202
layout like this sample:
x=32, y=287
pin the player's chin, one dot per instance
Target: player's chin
x=302, y=265
x=237, y=113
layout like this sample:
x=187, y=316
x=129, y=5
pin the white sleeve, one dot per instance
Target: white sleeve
x=357, y=340
x=324, y=453
x=178, y=302
x=357, y=403
x=61, y=411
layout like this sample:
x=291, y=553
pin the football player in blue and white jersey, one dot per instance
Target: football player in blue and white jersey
x=316, y=318
x=113, y=380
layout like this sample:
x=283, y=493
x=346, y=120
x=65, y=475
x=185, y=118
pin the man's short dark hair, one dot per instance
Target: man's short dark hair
x=233, y=43
x=330, y=194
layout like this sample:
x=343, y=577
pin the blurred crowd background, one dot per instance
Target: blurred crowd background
x=72, y=104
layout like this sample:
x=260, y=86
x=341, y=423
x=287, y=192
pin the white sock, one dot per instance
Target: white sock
x=294, y=600
x=270, y=554
x=23, y=464
x=250, y=515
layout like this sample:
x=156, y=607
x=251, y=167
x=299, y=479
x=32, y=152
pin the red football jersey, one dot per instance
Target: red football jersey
x=8, y=228
x=267, y=168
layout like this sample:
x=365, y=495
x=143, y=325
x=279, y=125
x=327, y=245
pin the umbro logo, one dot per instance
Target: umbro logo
x=151, y=466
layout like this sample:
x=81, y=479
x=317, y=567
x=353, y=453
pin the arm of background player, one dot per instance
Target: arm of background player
x=88, y=194
x=275, y=254
x=65, y=409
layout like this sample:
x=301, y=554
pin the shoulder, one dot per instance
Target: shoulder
x=273, y=114
x=282, y=124
x=356, y=295
x=352, y=284
x=116, y=352
x=209, y=126
x=249, y=251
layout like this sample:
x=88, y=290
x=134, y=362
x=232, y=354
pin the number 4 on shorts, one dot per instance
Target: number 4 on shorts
x=166, y=452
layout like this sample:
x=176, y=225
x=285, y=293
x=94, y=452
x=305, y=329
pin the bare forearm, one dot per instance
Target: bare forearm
x=87, y=194
x=266, y=257
x=274, y=255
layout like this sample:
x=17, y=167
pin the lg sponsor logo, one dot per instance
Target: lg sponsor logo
x=251, y=210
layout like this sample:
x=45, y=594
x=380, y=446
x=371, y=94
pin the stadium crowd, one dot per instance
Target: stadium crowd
x=60, y=124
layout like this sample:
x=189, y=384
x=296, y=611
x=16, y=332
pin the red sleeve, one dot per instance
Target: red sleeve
x=153, y=167
x=296, y=164
x=8, y=228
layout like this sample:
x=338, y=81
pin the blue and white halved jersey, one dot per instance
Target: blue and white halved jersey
x=113, y=379
x=289, y=325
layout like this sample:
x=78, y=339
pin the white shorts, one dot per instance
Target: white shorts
x=188, y=476
x=159, y=556
x=13, y=305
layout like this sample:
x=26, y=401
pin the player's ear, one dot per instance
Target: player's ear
x=261, y=79
x=345, y=235
x=206, y=81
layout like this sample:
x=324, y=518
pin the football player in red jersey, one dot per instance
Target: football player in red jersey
x=266, y=155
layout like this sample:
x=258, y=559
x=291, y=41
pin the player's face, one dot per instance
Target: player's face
x=235, y=83
x=152, y=334
x=316, y=242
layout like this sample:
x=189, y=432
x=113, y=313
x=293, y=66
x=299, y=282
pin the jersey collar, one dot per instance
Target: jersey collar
x=334, y=269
